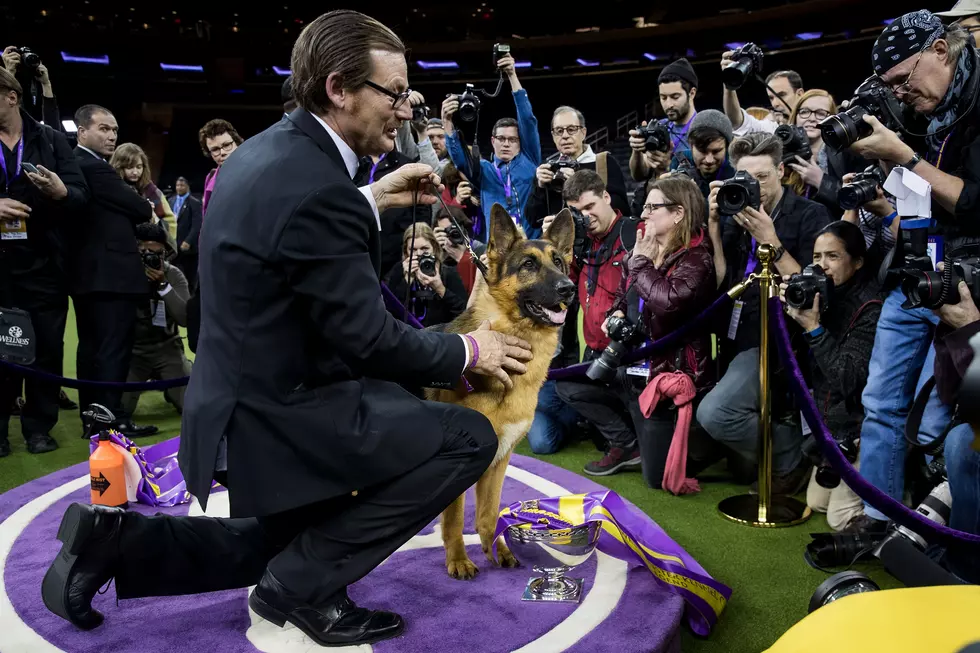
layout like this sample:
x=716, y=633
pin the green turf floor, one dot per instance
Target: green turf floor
x=771, y=583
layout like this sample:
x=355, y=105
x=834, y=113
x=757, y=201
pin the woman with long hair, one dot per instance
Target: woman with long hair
x=132, y=164
x=433, y=298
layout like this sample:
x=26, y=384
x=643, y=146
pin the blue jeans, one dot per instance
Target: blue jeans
x=901, y=362
x=963, y=468
x=552, y=420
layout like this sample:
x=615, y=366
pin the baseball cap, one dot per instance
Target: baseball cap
x=961, y=9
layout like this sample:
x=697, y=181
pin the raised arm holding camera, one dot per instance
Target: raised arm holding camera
x=27, y=67
x=509, y=178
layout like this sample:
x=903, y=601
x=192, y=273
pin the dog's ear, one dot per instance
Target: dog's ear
x=561, y=233
x=503, y=231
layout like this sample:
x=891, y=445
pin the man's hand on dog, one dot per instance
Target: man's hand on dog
x=500, y=353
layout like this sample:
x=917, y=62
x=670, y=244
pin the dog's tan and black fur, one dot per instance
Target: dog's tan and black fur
x=527, y=289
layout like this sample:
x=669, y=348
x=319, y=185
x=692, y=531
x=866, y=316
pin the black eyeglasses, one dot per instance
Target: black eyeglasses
x=397, y=99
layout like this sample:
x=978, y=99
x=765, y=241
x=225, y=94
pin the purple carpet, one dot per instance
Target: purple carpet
x=624, y=610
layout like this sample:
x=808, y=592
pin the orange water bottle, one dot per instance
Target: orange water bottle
x=108, y=472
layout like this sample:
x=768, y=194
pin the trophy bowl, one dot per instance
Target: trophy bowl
x=553, y=552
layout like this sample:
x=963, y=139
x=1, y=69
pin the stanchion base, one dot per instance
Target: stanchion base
x=783, y=511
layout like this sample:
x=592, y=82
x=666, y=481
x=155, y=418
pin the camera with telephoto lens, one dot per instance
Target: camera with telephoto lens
x=455, y=235
x=152, y=260
x=580, y=247
x=421, y=113
x=469, y=105
x=500, y=50
x=556, y=166
x=748, y=60
x=929, y=289
x=795, y=143
x=736, y=193
x=935, y=507
x=623, y=335
x=826, y=476
x=804, y=286
x=871, y=98
x=862, y=189
x=29, y=59
x=427, y=265
x=657, y=138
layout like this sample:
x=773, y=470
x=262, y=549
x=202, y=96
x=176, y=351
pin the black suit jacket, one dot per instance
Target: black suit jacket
x=295, y=338
x=101, y=249
x=188, y=223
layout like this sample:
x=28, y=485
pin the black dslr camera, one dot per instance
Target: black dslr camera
x=795, y=143
x=862, y=189
x=748, y=60
x=842, y=130
x=427, y=265
x=469, y=105
x=580, y=247
x=152, y=260
x=500, y=50
x=623, y=335
x=556, y=166
x=421, y=113
x=736, y=193
x=455, y=235
x=804, y=286
x=30, y=60
x=826, y=476
x=656, y=135
x=928, y=289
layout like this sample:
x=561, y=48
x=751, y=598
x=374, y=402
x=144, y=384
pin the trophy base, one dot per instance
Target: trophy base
x=559, y=590
x=782, y=511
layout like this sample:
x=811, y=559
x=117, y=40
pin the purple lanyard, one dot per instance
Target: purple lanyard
x=374, y=168
x=7, y=178
x=508, y=190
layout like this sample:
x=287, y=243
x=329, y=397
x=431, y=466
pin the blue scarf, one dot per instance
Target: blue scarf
x=953, y=103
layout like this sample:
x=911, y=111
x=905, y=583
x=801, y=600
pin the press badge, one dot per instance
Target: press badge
x=736, y=316
x=159, y=313
x=639, y=369
x=13, y=230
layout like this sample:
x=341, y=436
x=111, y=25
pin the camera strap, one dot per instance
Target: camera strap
x=8, y=177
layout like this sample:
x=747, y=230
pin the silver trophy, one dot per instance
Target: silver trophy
x=552, y=553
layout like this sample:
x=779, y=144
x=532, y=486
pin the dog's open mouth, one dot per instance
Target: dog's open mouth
x=553, y=315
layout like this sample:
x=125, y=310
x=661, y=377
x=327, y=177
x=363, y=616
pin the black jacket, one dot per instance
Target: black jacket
x=188, y=223
x=548, y=201
x=295, y=338
x=43, y=146
x=101, y=241
x=431, y=310
x=842, y=353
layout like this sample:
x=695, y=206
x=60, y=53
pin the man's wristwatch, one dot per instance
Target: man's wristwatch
x=778, y=253
x=914, y=161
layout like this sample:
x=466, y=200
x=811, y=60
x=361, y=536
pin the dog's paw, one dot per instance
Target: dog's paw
x=462, y=569
x=504, y=557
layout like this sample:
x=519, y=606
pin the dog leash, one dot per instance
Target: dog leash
x=466, y=239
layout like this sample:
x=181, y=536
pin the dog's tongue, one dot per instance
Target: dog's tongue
x=556, y=317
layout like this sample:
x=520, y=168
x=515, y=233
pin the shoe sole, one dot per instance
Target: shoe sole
x=72, y=533
x=628, y=463
x=279, y=618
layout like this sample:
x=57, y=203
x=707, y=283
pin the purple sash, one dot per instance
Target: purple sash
x=161, y=483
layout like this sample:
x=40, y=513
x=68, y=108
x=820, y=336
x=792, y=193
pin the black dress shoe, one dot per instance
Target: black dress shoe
x=40, y=443
x=65, y=402
x=131, y=430
x=337, y=623
x=85, y=563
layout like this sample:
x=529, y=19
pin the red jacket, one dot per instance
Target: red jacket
x=598, y=282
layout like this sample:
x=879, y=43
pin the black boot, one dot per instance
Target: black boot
x=90, y=536
x=338, y=623
x=40, y=443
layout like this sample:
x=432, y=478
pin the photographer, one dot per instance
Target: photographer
x=437, y=294
x=671, y=270
x=568, y=132
x=707, y=160
x=599, y=271
x=958, y=323
x=818, y=177
x=13, y=62
x=790, y=224
x=509, y=178
x=33, y=208
x=784, y=88
x=840, y=331
x=450, y=239
x=934, y=71
x=158, y=350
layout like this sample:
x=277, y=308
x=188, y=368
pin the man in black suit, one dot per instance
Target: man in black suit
x=105, y=271
x=187, y=208
x=331, y=466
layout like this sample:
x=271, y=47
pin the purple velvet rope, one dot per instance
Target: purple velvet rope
x=82, y=383
x=832, y=453
x=393, y=303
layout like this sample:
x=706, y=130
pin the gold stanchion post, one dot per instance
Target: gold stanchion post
x=763, y=510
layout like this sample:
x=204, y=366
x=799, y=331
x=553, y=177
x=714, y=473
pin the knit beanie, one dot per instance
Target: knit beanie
x=714, y=119
x=681, y=68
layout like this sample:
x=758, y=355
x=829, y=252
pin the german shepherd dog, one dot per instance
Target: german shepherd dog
x=526, y=295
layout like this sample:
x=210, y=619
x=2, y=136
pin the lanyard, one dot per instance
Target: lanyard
x=508, y=189
x=7, y=177
x=374, y=168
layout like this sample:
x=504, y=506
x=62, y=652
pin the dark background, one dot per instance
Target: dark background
x=238, y=48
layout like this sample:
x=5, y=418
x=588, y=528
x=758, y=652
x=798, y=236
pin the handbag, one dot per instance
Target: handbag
x=16, y=337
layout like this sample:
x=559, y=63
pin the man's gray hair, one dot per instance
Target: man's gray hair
x=567, y=109
x=957, y=37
